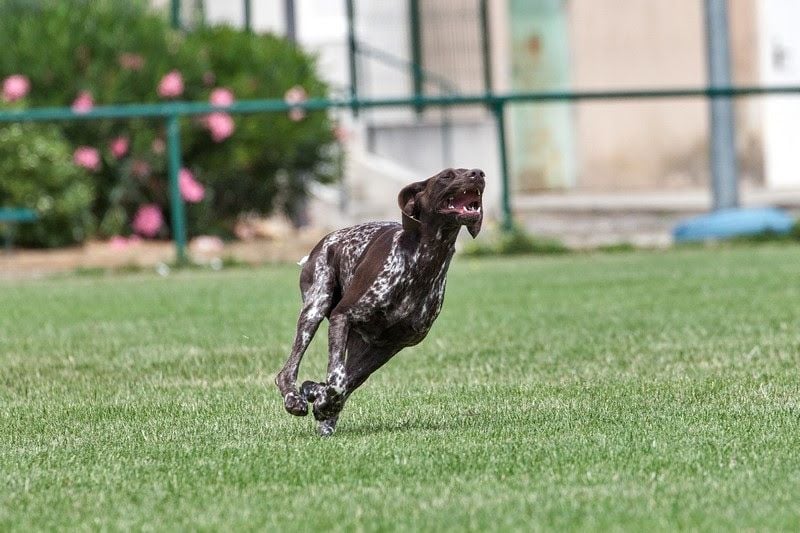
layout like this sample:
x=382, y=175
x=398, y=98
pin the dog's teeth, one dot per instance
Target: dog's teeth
x=450, y=203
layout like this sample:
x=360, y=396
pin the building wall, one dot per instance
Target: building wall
x=542, y=147
x=608, y=44
x=779, y=52
x=620, y=44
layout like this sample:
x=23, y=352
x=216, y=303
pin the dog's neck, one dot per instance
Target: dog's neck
x=433, y=244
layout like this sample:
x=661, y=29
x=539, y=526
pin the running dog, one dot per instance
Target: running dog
x=381, y=286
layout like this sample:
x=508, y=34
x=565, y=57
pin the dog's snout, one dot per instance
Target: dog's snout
x=476, y=173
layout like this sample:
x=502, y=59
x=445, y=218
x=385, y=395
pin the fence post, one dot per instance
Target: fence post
x=175, y=14
x=724, y=171
x=175, y=199
x=248, y=16
x=352, y=48
x=498, y=108
x=416, y=51
x=291, y=21
x=486, y=50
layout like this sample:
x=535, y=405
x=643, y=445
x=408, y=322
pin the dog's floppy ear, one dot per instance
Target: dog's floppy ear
x=407, y=199
x=475, y=227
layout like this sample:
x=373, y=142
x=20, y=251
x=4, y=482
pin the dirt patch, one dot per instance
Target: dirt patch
x=21, y=264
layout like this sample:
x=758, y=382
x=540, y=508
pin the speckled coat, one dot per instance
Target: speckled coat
x=381, y=285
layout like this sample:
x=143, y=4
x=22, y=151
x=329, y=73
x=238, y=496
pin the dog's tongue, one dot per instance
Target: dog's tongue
x=466, y=201
x=466, y=198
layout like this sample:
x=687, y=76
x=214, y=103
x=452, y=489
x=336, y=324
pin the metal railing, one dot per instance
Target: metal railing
x=172, y=112
x=446, y=86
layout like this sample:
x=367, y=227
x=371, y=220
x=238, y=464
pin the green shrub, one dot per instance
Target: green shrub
x=37, y=172
x=119, y=51
x=515, y=242
x=271, y=145
x=795, y=233
x=619, y=247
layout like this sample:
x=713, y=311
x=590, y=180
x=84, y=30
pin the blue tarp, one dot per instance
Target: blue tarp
x=728, y=223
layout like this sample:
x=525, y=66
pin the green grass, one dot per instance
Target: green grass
x=635, y=391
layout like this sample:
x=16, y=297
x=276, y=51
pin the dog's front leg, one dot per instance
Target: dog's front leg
x=362, y=360
x=329, y=398
x=311, y=316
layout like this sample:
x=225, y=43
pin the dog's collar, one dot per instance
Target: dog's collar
x=410, y=223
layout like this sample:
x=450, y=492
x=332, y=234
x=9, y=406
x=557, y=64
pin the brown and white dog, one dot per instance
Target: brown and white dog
x=381, y=286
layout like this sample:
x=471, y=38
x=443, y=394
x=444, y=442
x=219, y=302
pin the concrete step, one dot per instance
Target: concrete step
x=586, y=220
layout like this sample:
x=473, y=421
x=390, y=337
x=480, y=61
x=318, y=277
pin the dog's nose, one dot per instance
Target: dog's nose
x=476, y=173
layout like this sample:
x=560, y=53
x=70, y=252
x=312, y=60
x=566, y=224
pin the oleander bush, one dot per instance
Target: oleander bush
x=37, y=171
x=85, y=53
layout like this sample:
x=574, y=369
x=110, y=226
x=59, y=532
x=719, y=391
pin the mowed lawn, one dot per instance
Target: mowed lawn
x=637, y=391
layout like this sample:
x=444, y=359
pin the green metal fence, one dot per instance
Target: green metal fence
x=173, y=112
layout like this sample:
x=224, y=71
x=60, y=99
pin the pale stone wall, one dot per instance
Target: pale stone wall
x=619, y=44
x=612, y=44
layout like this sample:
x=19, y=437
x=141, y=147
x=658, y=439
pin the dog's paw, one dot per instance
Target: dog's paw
x=328, y=405
x=327, y=427
x=310, y=390
x=295, y=404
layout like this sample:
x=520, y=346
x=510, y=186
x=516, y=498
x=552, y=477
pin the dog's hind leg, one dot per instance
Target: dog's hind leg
x=329, y=398
x=327, y=427
x=365, y=360
x=317, y=301
x=311, y=390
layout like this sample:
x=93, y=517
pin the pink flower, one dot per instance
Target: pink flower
x=83, y=103
x=220, y=125
x=209, y=78
x=119, y=146
x=140, y=168
x=296, y=95
x=171, y=85
x=158, y=145
x=191, y=190
x=130, y=61
x=221, y=97
x=87, y=157
x=15, y=87
x=341, y=134
x=148, y=220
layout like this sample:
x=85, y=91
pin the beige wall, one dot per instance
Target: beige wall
x=650, y=44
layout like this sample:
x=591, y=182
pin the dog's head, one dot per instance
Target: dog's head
x=453, y=197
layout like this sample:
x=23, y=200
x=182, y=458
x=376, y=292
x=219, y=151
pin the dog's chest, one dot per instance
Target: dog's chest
x=405, y=299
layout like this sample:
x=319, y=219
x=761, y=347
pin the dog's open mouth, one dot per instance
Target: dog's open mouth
x=466, y=202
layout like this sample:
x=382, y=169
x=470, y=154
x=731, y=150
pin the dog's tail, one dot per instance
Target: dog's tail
x=303, y=261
